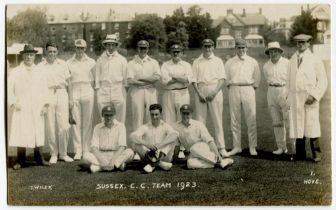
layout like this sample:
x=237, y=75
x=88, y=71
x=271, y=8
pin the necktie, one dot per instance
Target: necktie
x=299, y=60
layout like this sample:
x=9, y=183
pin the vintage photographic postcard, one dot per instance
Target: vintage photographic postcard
x=80, y=79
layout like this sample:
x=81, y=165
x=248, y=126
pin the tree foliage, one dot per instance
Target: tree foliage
x=180, y=36
x=304, y=24
x=28, y=26
x=149, y=27
x=198, y=26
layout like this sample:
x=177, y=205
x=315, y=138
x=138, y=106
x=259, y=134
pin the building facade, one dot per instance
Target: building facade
x=65, y=28
x=248, y=26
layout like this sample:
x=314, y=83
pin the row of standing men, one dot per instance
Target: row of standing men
x=71, y=85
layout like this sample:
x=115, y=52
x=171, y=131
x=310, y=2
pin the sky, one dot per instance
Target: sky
x=271, y=11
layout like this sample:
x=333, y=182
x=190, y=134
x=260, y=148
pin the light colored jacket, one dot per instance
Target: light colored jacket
x=29, y=90
x=309, y=78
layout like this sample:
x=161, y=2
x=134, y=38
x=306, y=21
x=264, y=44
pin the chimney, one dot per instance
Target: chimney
x=229, y=11
x=244, y=13
x=260, y=11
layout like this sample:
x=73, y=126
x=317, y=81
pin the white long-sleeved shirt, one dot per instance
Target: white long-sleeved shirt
x=195, y=132
x=109, y=139
x=242, y=72
x=81, y=70
x=208, y=70
x=152, y=134
x=57, y=73
x=276, y=73
x=170, y=69
x=111, y=69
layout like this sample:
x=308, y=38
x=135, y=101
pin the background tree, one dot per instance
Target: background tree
x=171, y=22
x=98, y=37
x=28, y=26
x=199, y=26
x=304, y=24
x=180, y=36
x=149, y=27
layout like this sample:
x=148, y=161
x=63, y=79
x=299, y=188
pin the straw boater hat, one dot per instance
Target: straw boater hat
x=28, y=48
x=273, y=45
x=111, y=38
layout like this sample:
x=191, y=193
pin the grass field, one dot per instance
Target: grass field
x=264, y=180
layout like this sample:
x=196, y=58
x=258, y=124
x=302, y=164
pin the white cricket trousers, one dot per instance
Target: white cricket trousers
x=57, y=122
x=126, y=156
x=82, y=112
x=216, y=112
x=201, y=156
x=141, y=99
x=276, y=98
x=172, y=100
x=115, y=94
x=243, y=96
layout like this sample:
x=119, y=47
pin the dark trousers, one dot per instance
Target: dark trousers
x=38, y=155
x=301, y=148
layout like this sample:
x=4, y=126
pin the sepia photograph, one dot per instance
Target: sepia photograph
x=168, y=104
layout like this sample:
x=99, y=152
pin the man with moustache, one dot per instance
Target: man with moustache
x=176, y=75
x=208, y=79
x=110, y=78
x=243, y=78
x=276, y=74
x=108, y=146
x=194, y=136
x=155, y=141
x=28, y=100
x=57, y=121
x=306, y=86
x=81, y=107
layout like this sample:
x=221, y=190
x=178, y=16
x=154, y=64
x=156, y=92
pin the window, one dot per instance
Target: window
x=129, y=25
x=65, y=27
x=117, y=34
x=224, y=31
x=238, y=34
x=103, y=26
x=116, y=26
x=91, y=36
x=253, y=30
x=53, y=29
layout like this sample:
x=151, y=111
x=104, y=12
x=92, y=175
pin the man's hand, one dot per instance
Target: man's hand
x=72, y=120
x=211, y=96
x=310, y=100
x=202, y=98
x=44, y=110
x=151, y=146
x=16, y=107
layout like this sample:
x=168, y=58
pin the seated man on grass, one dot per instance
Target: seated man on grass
x=195, y=138
x=108, y=146
x=155, y=141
